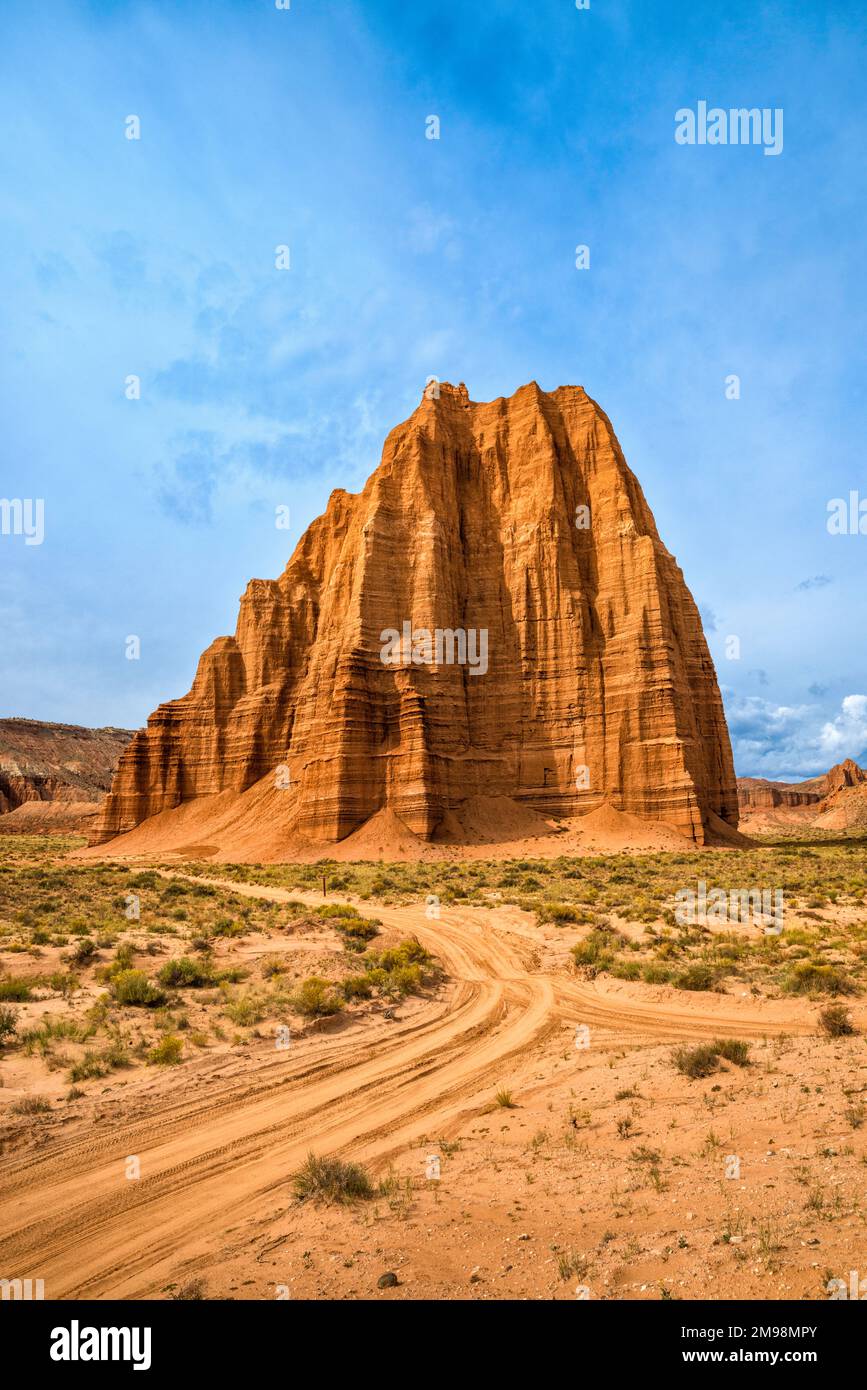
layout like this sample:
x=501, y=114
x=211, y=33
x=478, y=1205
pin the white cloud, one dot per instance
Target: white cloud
x=846, y=736
x=789, y=742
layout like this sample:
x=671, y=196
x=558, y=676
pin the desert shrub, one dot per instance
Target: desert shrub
x=812, y=977
x=83, y=951
x=358, y=928
x=184, y=973
x=87, y=1067
x=15, y=989
x=245, y=1011
x=733, y=1050
x=116, y=1054
x=315, y=998
x=337, y=910
x=356, y=987
x=349, y=921
x=167, y=1053
x=32, y=1105
x=331, y=1180
x=835, y=1021
x=695, y=1062
x=503, y=1099
x=595, y=949
x=560, y=913
x=227, y=926
x=133, y=987
x=232, y=976
x=401, y=969
x=626, y=969
x=8, y=1023
x=147, y=879
x=53, y=1029
x=175, y=889
x=272, y=966
x=703, y=1060
x=63, y=982
x=696, y=976
x=407, y=952
x=402, y=980
x=655, y=974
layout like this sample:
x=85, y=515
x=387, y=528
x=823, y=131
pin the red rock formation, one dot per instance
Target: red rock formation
x=756, y=793
x=47, y=762
x=473, y=521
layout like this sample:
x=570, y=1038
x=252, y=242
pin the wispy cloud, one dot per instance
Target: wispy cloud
x=818, y=581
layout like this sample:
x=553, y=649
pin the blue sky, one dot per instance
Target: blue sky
x=410, y=257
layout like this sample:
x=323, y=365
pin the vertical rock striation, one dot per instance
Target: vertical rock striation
x=518, y=518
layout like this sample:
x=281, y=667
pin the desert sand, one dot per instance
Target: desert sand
x=604, y=1170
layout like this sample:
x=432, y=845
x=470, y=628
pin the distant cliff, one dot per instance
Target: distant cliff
x=49, y=772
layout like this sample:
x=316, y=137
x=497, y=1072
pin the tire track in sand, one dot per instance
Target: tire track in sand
x=69, y=1216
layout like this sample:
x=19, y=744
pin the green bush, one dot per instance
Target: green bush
x=134, y=988
x=733, y=1050
x=349, y=921
x=245, y=1011
x=696, y=1062
x=402, y=980
x=696, y=976
x=561, y=913
x=812, y=977
x=356, y=987
x=87, y=1067
x=655, y=974
x=8, y=1023
x=408, y=952
x=184, y=973
x=15, y=989
x=595, y=949
x=167, y=1053
x=626, y=969
x=315, y=998
x=83, y=951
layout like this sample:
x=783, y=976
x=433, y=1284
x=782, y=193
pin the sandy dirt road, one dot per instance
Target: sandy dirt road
x=217, y=1145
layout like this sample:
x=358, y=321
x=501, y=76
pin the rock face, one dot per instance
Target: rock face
x=56, y=762
x=585, y=676
x=54, y=776
x=844, y=806
x=758, y=794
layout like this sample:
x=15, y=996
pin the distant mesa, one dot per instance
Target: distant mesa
x=835, y=801
x=485, y=644
x=54, y=776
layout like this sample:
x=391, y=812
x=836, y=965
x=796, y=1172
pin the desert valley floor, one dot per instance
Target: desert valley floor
x=621, y=1107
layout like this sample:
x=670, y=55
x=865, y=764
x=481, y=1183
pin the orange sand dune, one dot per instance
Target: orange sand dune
x=260, y=826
